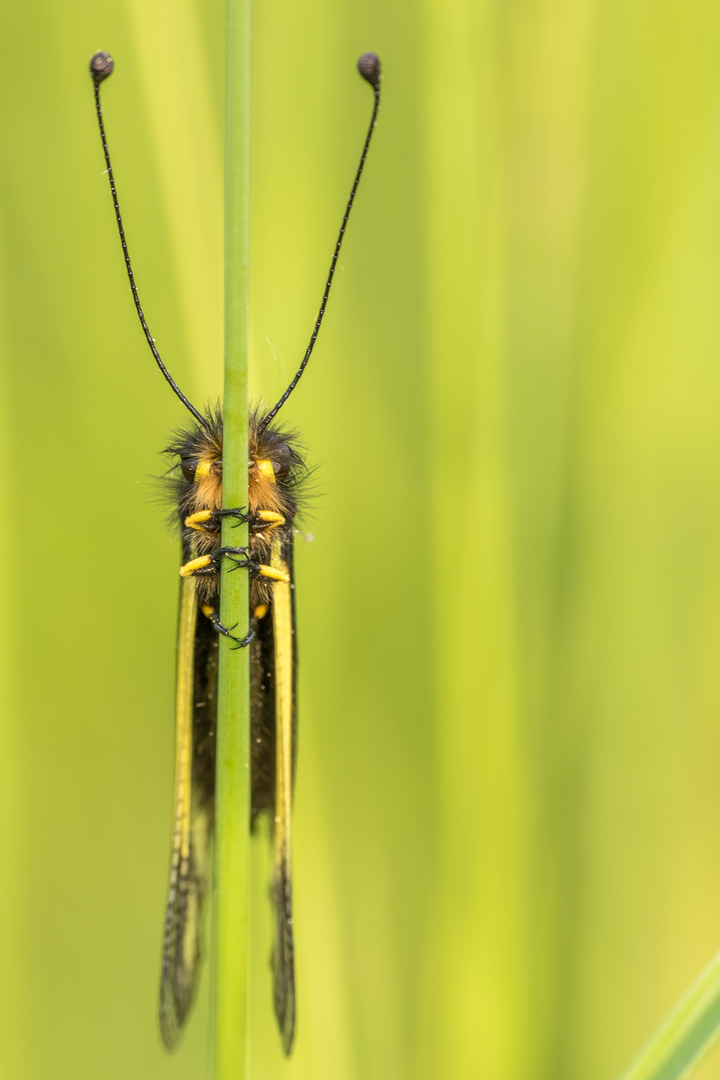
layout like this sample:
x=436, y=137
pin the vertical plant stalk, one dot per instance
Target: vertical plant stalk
x=232, y=817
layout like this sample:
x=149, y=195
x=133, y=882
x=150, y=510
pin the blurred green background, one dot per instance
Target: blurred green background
x=508, y=809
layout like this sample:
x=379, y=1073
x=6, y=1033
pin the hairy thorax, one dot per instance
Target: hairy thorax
x=274, y=469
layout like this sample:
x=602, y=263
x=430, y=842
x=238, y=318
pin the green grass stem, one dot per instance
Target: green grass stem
x=231, y=934
x=686, y=1035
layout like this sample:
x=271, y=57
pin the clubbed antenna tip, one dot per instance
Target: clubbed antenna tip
x=101, y=66
x=369, y=67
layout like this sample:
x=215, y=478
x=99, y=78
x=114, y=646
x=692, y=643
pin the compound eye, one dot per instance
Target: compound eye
x=281, y=460
x=197, y=469
x=188, y=466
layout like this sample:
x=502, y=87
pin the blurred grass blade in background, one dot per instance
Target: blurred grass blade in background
x=687, y=1035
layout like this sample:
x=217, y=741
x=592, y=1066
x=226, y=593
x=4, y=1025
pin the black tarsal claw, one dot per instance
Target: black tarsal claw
x=239, y=564
x=242, y=517
x=231, y=553
x=240, y=643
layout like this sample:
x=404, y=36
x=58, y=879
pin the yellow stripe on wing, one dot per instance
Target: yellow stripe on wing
x=181, y=916
x=284, y=953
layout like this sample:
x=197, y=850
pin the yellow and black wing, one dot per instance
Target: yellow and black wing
x=284, y=948
x=273, y=663
x=192, y=812
x=273, y=679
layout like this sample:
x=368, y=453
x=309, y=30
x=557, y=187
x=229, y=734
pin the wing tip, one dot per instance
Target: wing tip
x=175, y=1003
x=285, y=1013
x=170, y=1025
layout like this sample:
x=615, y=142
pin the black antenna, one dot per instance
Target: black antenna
x=369, y=67
x=101, y=66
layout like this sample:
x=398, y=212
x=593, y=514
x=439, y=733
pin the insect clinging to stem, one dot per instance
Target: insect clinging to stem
x=275, y=474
